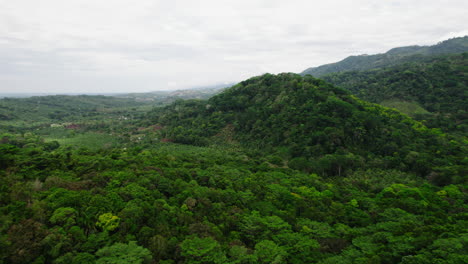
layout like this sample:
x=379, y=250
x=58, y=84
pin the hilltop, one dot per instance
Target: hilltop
x=314, y=125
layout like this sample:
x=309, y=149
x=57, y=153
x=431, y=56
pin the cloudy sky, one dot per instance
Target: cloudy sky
x=105, y=46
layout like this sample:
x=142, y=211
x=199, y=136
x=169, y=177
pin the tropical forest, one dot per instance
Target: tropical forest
x=361, y=161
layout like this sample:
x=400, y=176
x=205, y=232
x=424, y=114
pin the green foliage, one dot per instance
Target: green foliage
x=202, y=250
x=108, y=221
x=269, y=252
x=218, y=205
x=320, y=128
x=240, y=254
x=120, y=253
x=64, y=216
x=433, y=90
x=286, y=169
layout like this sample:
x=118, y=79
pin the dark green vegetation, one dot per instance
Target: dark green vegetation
x=209, y=205
x=393, y=57
x=435, y=90
x=277, y=169
x=318, y=127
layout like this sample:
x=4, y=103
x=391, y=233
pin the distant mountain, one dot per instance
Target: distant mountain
x=166, y=97
x=391, y=58
x=28, y=95
x=21, y=95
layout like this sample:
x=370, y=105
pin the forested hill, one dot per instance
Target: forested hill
x=392, y=57
x=315, y=125
x=434, y=90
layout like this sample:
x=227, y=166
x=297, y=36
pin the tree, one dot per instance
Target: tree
x=26, y=241
x=64, y=216
x=202, y=250
x=268, y=251
x=108, y=222
x=241, y=255
x=120, y=253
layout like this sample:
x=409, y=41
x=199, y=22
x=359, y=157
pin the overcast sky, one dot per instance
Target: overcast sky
x=105, y=46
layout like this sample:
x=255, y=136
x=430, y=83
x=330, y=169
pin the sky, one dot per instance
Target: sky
x=116, y=46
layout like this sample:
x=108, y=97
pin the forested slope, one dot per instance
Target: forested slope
x=438, y=85
x=316, y=126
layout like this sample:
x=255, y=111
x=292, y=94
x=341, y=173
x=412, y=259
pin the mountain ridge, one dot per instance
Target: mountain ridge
x=394, y=56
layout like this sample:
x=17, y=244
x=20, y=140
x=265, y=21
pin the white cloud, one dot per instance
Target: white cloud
x=123, y=45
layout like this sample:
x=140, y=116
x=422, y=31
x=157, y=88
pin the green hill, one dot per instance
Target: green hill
x=313, y=124
x=434, y=90
x=392, y=57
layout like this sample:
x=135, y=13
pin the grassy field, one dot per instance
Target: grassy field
x=88, y=140
x=410, y=108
